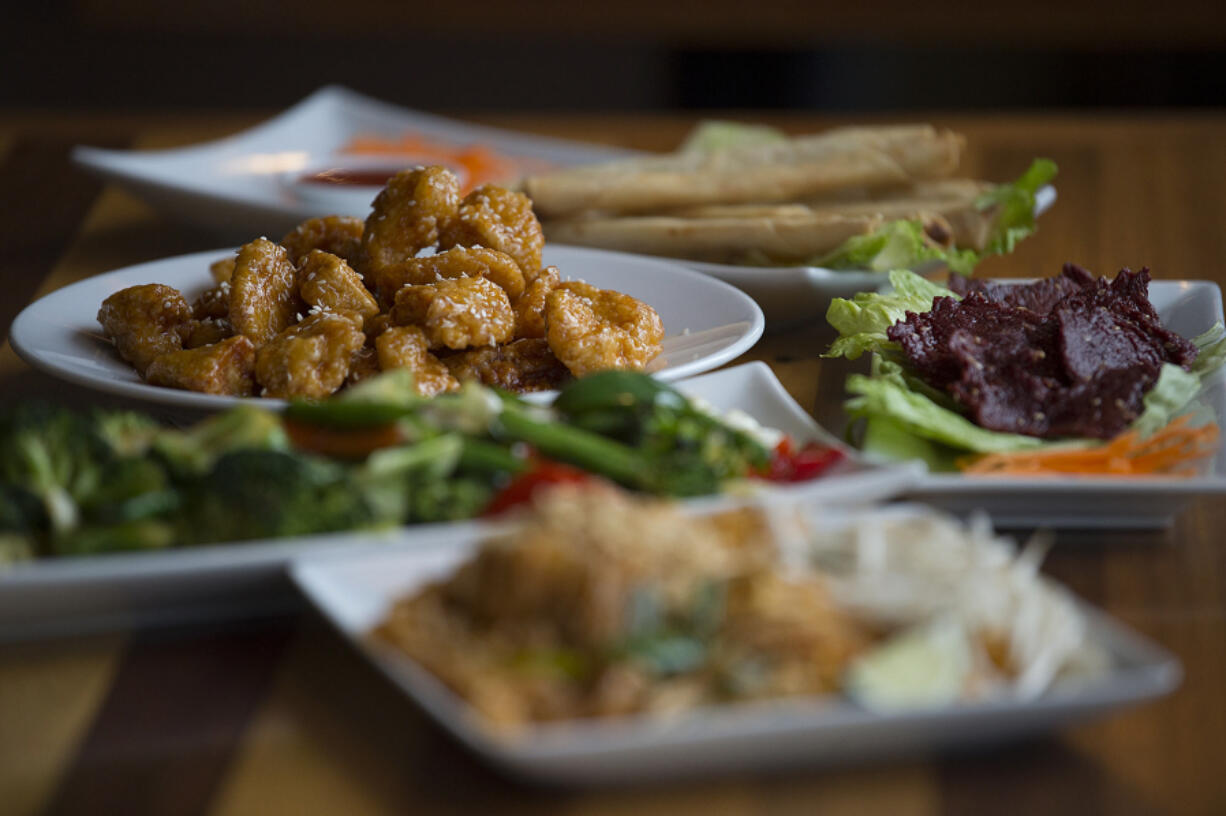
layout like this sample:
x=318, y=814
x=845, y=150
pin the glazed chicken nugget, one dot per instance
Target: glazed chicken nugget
x=213, y=302
x=407, y=347
x=519, y=366
x=375, y=326
x=309, y=360
x=327, y=281
x=339, y=235
x=494, y=217
x=353, y=317
x=457, y=313
x=459, y=262
x=407, y=217
x=222, y=271
x=197, y=333
x=144, y=322
x=263, y=292
x=530, y=308
x=227, y=367
x=592, y=329
x=364, y=364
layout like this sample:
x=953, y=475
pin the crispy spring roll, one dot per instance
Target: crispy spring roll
x=952, y=199
x=868, y=157
x=791, y=234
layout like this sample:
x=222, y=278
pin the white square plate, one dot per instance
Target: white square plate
x=1186, y=307
x=355, y=591
x=235, y=186
x=70, y=595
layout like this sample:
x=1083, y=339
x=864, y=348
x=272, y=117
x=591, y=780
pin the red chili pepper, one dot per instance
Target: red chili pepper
x=791, y=465
x=524, y=486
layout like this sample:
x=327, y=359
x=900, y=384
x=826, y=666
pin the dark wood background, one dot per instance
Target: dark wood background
x=633, y=54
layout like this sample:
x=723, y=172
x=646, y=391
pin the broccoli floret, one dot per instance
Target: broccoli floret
x=472, y=410
x=23, y=521
x=195, y=450
x=68, y=486
x=126, y=432
x=390, y=477
x=21, y=511
x=447, y=499
x=143, y=534
x=271, y=493
x=129, y=490
x=54, y=454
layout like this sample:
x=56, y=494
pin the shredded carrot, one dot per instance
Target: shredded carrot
x=482, y=163
x=1173, y=451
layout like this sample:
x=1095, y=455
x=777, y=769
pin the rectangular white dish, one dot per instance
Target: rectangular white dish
x=234, y=187
x=1185, y=306
x=74, y=595
x=354, y=592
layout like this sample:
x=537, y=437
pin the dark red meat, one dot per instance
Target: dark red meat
x=1070, y=356
x=1039, y=296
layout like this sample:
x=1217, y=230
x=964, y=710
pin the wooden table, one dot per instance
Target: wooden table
x=280, y=716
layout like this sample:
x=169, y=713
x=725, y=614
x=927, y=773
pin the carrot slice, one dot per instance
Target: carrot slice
x=1173, y=451
x=342, y=443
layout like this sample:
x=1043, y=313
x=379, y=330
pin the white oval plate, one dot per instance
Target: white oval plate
x=706, y=322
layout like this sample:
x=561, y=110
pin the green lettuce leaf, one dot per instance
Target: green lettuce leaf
x=1015, y=207
x=895, y=245
x=904, y=422
x=887, y=440
x=1176, y=389
x=862, y=321
x=903, y=244
x=718, y=135
x=1168, y=398
x=887, y=394
x=1211, y=350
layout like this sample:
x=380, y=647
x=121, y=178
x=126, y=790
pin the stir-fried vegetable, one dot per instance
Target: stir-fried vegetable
x=379, y=456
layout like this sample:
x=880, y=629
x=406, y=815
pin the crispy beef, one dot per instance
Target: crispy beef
x=1039, y=296
x=1073, y=356
x=928, y=338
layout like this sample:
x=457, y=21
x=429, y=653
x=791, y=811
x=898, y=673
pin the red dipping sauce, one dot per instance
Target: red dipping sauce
x=351, y=177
